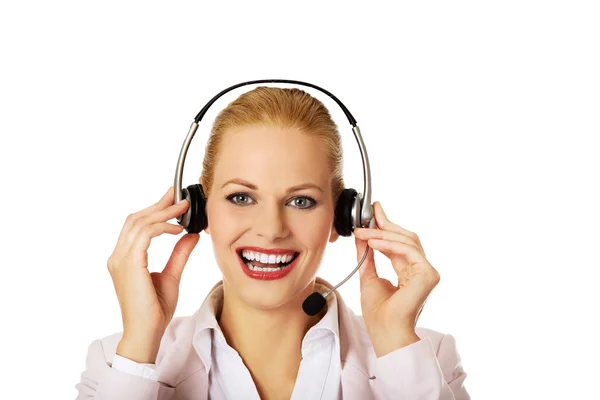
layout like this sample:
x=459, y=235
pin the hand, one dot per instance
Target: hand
x=391, y=312
x=148, y=300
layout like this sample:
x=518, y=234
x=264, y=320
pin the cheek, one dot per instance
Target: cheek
x=313, y=232
x=226, y=228
x=223, y=224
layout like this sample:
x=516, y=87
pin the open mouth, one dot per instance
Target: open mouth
x=256, y=266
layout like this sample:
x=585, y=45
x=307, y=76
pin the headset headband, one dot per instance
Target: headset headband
x=366, y=210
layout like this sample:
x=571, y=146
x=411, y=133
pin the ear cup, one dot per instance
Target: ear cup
x=343, y=212
x=197, y=209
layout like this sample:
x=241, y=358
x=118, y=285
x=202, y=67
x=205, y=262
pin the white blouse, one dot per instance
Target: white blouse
x=319, y=375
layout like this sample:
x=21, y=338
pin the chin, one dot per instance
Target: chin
x=270, y=294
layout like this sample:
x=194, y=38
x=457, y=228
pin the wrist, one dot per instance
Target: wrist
x=139, y=350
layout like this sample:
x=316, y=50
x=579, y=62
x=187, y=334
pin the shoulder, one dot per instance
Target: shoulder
x=436, y=338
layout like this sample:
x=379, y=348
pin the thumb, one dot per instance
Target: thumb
x=367, y=269
x=181, y=254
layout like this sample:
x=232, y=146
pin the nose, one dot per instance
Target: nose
x=271, y=223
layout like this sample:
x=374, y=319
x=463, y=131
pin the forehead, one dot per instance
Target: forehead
x=272, y=156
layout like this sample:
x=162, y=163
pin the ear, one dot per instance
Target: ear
x=207, y=229
x=334, y=235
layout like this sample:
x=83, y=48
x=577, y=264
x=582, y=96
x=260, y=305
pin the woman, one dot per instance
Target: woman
x=251, y=339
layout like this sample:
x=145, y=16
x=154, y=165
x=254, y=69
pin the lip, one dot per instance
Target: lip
x=263, y=275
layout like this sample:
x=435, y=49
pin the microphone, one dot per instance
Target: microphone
x=314, y=303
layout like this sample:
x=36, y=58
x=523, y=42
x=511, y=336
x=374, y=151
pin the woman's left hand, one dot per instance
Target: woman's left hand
x=391, y=312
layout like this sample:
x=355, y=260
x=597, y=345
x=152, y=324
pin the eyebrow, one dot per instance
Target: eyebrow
x=292, y=189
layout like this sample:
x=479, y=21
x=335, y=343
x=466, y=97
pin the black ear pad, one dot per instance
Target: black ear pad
x=343, y=212
x=197, y=209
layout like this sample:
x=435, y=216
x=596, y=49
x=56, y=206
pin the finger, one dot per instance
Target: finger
x=384, y=223
x=172, y=211
x=155, y=218
x=367, y=233
x=132, y=219
x=180, y=255
x=367, y=269
x=411, y=253
x=140, y=241
x=165, y=201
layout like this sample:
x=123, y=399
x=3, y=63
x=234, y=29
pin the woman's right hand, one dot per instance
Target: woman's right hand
x=148, y=300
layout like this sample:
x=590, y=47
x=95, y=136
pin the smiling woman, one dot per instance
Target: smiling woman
x=272, y=175
x=268, y=216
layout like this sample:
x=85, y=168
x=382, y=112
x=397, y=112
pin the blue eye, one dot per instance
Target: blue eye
x=306, y=202
x=233, y=196
x=305, y=198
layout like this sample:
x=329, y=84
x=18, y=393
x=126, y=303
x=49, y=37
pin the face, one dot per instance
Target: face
x=272, y=159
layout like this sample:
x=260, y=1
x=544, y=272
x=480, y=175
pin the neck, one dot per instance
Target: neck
x=268, y=341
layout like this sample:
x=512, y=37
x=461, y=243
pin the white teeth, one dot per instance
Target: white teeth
x=261, y=269
x=266, y=258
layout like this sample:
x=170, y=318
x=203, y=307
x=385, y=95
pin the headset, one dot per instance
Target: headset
x=352, y=209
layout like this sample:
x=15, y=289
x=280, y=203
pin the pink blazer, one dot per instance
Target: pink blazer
x=429, y=369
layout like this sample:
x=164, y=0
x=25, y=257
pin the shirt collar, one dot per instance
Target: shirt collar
x=330, y=319
x=206, y=322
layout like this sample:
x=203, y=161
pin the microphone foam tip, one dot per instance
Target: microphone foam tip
x=314, y=303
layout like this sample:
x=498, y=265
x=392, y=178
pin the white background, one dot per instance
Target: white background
x=481, y=120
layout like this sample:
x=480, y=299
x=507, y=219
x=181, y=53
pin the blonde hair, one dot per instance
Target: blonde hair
x=286, y=108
